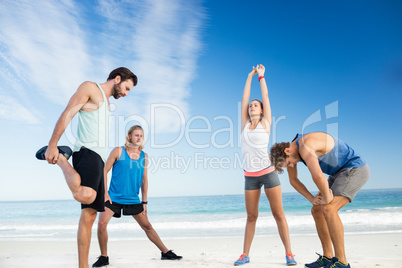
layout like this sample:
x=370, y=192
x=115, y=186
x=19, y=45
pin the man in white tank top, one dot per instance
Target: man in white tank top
x=85, y=179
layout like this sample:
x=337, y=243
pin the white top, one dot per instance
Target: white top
x=93, y=129
x=254, y=147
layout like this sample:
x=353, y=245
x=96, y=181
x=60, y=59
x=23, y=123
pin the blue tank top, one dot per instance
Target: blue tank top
x=342, y=156
x=126, y=179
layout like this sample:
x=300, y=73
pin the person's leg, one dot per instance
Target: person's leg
x=104, y=218
x=82, y=194
x=150, y=231
x=322, y=231
x=344, y=185
x=274, y=196
x=335, y=225
x=88, y=216
x=252, y=199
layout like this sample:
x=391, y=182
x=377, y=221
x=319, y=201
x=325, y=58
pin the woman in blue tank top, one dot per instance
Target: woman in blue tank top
x=129, y=175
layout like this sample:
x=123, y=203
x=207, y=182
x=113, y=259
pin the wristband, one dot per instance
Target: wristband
x=144, y=202
x=261, y=77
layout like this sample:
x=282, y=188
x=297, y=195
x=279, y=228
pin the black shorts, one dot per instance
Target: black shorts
x=128, y=210
x=90, y=167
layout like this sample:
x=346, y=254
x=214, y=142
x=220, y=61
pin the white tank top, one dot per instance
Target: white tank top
x=254, y=147
x=93, y=129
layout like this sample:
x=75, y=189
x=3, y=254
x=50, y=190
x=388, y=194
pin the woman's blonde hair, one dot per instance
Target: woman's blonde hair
x=130, y=131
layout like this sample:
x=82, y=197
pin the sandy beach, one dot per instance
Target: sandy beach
x=363, y=251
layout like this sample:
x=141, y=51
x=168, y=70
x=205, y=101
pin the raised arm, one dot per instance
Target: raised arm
x=245, y=117
x=265, y=100
x=113, y=157
x=77, y=101
x=144, y=185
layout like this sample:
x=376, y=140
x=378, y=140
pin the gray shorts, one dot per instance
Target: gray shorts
x=269, y=180
x=347, y=182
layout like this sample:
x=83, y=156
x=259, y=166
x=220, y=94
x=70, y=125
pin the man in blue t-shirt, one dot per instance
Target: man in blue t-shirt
x=347, y=171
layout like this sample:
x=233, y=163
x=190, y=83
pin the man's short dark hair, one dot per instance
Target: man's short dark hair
x=124, y=73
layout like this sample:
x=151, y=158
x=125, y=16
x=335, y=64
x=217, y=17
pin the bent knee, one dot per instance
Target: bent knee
x=86, y=200
x=328, y=209
x=316, y=210
x=85, y=196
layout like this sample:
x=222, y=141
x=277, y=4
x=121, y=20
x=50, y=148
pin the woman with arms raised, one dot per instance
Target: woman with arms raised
x=256, y=125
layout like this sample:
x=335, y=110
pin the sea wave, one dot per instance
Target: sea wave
x=189, y=217
x=355, y=221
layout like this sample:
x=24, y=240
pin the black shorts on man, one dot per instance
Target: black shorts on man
x=89, y=166
x=128, y=210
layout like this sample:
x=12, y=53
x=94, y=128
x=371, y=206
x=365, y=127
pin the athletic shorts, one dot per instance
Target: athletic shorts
x=269, y=180
x=90, y=167
x=347, y=182
x=128, y=210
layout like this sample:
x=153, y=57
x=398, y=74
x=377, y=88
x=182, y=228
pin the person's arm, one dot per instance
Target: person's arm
x=301, y=188
x=113, y=157
x=297, y=184
x=265, y=100
x=245, y=117
x=77, y=101
x=144, y=186
x=311, y=160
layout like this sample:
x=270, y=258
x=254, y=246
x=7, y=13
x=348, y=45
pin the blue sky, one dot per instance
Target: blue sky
x=331, y=66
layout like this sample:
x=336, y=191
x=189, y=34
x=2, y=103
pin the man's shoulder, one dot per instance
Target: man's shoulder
x=87, y=86
x=90, y=89
x=312, y=137
x=307, y=144
x=117, y=149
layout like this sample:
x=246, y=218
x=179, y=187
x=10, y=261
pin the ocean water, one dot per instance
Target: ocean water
x=372, y=211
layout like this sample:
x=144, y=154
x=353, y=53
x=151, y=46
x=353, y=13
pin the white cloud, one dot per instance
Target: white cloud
x=12, y=110
x=47, y=48
x=43, y=46
x=164, y=37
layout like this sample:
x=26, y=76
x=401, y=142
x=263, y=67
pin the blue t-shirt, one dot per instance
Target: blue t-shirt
x=126, y=179
x=342, y=156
